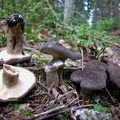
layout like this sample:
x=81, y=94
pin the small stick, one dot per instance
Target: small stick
x=50, y=111
x=109, y=95
x=82, y=58
x=43, y=93
x=72, y=108
x=60, y=96
x=41, y=83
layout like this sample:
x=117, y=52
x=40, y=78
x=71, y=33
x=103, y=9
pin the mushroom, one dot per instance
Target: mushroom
x=59, y=53
x=15, y=82
x=114, y=73
x=88, y=80
x=13, y=54
x=96, y=65
x=53, y=72
x=93, y=77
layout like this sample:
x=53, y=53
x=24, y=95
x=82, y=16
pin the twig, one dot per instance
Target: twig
x=41, y=83
x=38, y=107
x=112, y=43
x=109, y=95
x=60, y=96
x=43, y=93
x=35, y=68
x=50, y=111
x=53, y=11
x=82, y=58
x=71, y=102
x=72, y=108
x=31, y=49
x=24, y=40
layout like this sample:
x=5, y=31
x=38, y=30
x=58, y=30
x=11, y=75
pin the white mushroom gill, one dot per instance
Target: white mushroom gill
x=54, y=67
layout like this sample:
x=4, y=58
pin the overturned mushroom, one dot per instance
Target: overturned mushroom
x=114, y=73
x=15, y=82
x=13, y=53
x=60, y=54
x=88, y=81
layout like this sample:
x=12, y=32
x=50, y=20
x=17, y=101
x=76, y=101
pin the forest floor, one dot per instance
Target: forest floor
x=63, y=102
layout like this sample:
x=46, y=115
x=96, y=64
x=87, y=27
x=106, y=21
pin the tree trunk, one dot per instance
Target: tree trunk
x=102, y=10
x=105, y=9
x=69, y=11
x=95, y=12
x=15, y=29
x=116, y=14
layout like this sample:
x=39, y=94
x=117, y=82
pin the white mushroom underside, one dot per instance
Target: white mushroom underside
x=26, y=82
x=54, y=67
x=5, y=56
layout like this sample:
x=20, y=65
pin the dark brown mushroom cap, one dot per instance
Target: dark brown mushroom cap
x=97, y=66
x=60, y=52
x=90, y=80
x=78, y=75
x=114, y=73
x=93, y=81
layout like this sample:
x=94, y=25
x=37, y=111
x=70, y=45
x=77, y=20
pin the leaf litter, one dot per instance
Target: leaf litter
x=50, y=103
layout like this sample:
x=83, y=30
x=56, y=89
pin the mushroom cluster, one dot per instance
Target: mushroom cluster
x=93, y=77
x=55, y=68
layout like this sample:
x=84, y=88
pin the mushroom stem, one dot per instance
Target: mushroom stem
x=52, y=78
x=60, y=73
x=14, y=40
x=54, y=72
x=15, y=29
x=10, y=75
x=84, y=92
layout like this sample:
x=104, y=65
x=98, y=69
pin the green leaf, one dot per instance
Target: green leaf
x=107, y=37
x=26, y=112
x=16, y=107
x=88, y=118
x=99, y=107
x=13, y=100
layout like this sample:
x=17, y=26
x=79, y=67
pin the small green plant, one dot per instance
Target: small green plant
x=2, y=39
x=26, y=112
x=16, y=107
x=99, y=107
x=104, y=24
x=64, y=81
x=88, y=118
x=31, y=35
x=84, y=37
